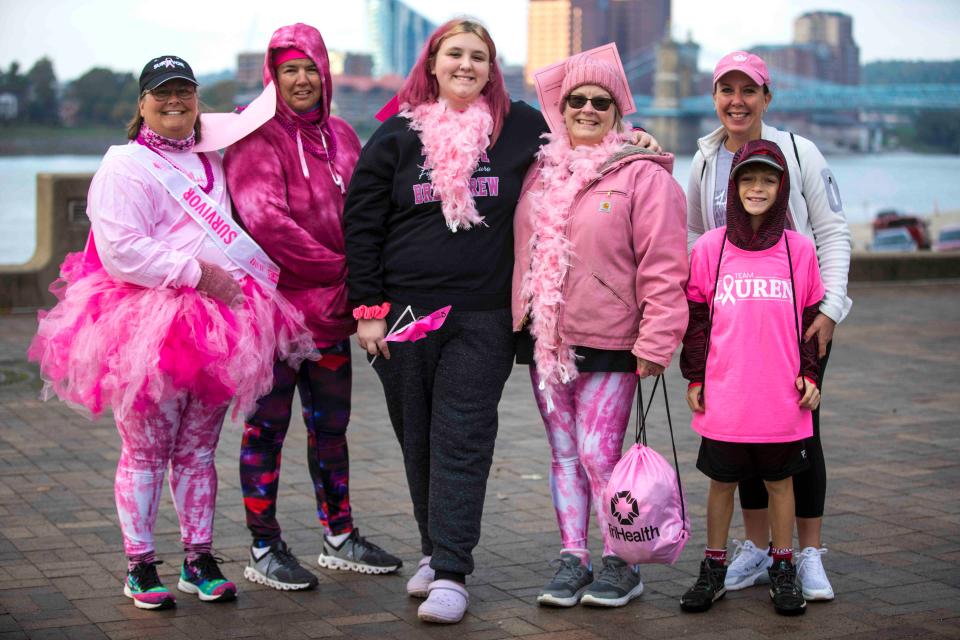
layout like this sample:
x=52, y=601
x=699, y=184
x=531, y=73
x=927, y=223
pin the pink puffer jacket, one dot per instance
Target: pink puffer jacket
x=624, y=286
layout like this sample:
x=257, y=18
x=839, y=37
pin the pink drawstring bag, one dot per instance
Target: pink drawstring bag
x=644, y=517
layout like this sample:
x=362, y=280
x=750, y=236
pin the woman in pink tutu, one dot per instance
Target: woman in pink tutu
x=168, y=314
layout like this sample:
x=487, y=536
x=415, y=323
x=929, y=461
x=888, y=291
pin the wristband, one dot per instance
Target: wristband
x=695, y=383
x=373, y=312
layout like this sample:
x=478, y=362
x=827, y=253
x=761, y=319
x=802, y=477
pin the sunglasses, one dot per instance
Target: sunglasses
x=576, y=101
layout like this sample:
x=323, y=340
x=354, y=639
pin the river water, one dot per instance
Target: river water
x=923, y=184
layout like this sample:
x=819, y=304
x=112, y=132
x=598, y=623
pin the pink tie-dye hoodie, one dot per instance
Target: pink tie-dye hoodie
x=287, y=197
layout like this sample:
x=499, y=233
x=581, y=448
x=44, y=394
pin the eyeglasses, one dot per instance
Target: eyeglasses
x=163, y=94
x=576, y=101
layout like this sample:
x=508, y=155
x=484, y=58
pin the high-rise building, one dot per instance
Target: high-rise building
x=638, y=26
x=823, y=49
x=559, y=28
x=397, y=34
x=835, y=30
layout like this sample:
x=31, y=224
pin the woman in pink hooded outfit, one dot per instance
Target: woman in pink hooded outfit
x=597, y=300
x=288, y=180
x=156, y=321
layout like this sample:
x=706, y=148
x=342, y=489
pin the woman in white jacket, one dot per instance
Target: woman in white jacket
x=741, y=94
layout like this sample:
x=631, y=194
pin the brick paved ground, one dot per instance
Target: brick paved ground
x=893, y=526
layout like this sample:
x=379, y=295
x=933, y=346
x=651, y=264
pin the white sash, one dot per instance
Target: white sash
x=225, y=232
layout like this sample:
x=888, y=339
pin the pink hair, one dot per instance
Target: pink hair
x=421, y=85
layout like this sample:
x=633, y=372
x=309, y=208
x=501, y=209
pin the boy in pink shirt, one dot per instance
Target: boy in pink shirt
x=753, y=382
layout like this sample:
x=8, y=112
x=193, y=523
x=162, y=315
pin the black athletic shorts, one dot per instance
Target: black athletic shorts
x=736, y=461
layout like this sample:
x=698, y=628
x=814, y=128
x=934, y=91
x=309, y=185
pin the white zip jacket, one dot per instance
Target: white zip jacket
x=815, y=208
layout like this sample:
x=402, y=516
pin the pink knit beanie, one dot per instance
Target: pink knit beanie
x=581, y=69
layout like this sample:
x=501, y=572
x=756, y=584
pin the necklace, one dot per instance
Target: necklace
x=328, y=153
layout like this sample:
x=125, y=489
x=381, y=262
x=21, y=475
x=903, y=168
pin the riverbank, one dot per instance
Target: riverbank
x=37, y=140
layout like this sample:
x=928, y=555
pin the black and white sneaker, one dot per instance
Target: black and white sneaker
x=784, y=591
x=356, y=553
x=275, y=566
x=708, y=588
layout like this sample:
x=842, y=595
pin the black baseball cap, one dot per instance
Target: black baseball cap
x=164, y=68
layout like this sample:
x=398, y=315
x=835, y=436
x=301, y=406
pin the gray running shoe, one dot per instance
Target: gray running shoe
x=617, y=584
x=356, y=553
x=275, y=566
x=569, y=582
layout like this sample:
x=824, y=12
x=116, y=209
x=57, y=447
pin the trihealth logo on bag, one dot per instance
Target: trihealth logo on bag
x=625, y=509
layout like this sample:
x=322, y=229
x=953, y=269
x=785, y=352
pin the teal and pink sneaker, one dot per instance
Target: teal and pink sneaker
x=203, y=577
x=144, y=587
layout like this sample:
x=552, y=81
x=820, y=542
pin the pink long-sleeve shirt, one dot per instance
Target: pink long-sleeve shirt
x=143, y=236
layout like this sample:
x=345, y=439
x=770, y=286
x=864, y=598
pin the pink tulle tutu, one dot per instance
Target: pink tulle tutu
x=114, y=344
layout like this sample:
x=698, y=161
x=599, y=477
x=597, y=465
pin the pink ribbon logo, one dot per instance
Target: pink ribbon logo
x=727, y=294
x=419, y=328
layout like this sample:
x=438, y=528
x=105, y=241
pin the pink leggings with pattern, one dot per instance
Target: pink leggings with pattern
x=182, y=434
x=585, y=431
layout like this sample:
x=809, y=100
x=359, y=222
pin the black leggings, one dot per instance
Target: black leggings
x=810, y=486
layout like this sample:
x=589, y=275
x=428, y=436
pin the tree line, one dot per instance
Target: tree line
x=99, y=97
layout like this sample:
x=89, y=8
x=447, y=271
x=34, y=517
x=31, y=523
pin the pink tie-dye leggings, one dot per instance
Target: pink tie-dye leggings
x=585, y=431
x=182, y=434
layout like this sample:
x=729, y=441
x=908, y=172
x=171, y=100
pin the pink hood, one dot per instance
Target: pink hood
x=624, y=289
x=298, y=219
x=307, y=39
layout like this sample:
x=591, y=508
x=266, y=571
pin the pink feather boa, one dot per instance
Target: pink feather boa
x=452, y=143
x=564, y=173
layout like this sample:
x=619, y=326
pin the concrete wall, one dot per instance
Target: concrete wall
x=62, y=227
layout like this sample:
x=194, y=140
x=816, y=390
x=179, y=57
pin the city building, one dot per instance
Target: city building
x=348, y=63
x=823, y=50
x=559, y=28
x=250, y=71
x=8, y=106
x=835, y=31
x=515, y=83
x=397, y=34
x=638, y=26
x=357, y=99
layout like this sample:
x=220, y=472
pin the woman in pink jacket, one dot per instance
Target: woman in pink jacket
x=289, y=180
x=600, y=243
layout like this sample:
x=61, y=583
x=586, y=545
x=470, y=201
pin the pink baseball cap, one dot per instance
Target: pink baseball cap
x=748, y=63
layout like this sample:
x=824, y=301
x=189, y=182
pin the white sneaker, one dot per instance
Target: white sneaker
x=749, y=566
x=811, y=576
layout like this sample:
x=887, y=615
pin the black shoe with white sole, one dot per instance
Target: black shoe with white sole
x=708, y=588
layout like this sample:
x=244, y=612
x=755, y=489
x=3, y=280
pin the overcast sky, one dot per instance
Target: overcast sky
x=124, y=34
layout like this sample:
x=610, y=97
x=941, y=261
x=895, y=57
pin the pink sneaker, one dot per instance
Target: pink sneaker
x=419, y=583
x=446, y=603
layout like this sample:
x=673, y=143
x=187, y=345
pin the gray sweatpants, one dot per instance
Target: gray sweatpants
x=442, y=394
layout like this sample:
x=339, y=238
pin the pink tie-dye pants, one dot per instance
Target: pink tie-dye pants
x=585, y=431
x=181, y=433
